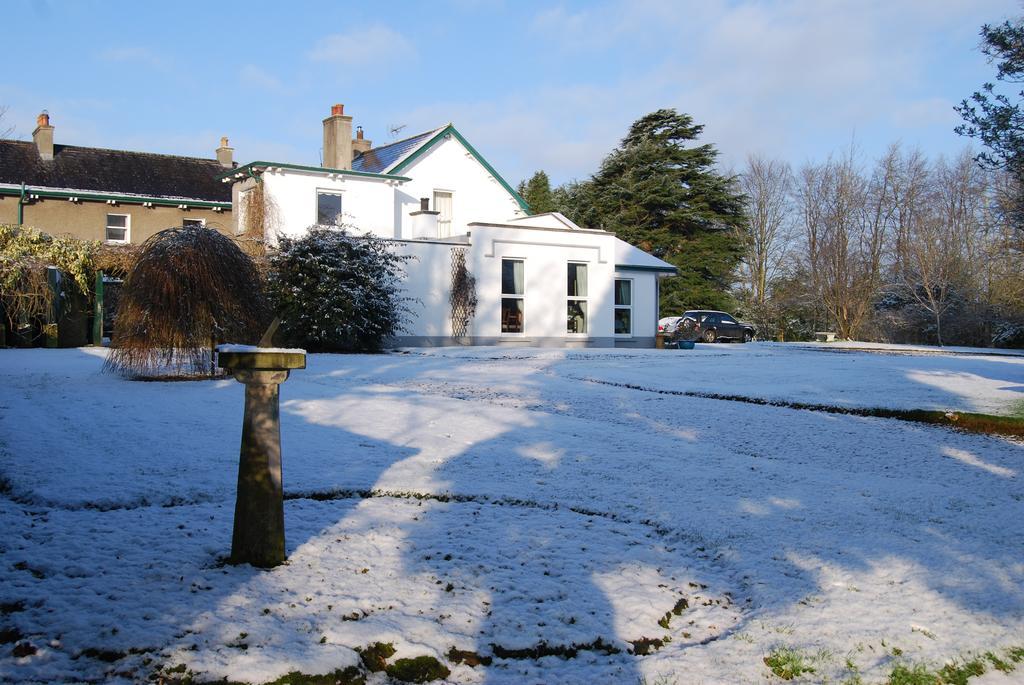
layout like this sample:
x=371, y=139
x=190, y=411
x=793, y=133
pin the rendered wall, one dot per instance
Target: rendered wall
x=368, y=204
x=88, y=220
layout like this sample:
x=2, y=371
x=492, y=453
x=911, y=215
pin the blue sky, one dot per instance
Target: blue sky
x=532, y=85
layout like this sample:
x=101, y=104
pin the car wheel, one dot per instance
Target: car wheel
x=747, y=336
x=709, y=336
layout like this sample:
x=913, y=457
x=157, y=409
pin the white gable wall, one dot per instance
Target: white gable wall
x=448, y=166
x=368, y=204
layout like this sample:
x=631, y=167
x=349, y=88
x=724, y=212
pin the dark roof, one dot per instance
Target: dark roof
x=113, y=171
x=378, y=159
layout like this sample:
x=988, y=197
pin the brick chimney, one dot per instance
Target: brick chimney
x=43, y=136
x=225, y=154
x=360, y=144
x=338, y=139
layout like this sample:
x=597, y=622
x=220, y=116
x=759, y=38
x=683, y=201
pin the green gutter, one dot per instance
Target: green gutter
x=662, y=269
x=422, y=149
x=248, y=168
x=103, y=197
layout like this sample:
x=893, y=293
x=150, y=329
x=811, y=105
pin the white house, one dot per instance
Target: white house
x=541, y=280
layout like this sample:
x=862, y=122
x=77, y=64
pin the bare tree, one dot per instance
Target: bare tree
x=767, y=185
x=5, y=131
x=844, y=216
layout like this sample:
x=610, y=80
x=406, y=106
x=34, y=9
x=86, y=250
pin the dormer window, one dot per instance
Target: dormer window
x=328, y=208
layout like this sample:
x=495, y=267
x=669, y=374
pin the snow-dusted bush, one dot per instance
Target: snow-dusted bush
x=337, y=292
x=1009, y=334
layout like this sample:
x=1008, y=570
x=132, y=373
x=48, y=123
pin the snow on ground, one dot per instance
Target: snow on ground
x=552, y=506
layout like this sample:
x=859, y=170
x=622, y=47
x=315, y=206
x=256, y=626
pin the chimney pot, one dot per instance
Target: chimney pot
x=424, y=204
x=360, y=144
x=337, y=110
x=43, y=136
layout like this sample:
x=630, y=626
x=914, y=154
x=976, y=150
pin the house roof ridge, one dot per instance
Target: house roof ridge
x=406, y=139
x=57, y=147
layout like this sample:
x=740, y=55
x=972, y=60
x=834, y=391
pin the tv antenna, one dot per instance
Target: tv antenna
x=395, y=130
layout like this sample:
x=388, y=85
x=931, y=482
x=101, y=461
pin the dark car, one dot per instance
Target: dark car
x=709, y=326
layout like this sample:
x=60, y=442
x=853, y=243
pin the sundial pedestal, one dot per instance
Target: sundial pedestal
x=258, y=536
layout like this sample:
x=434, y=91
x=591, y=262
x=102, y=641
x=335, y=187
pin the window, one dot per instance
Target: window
x=443, y=204
x=117, y=228
x=513, y=288
x=726, y=319
x=328, y=208
x=623, y=306
x=576, y=309
x=193, y=223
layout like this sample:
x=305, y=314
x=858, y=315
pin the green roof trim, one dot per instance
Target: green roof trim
x=450, y=129
x=245, y=168
x=124, y=199
x=662, y=269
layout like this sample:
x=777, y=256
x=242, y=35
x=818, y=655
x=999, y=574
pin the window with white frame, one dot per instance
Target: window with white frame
x=513, y=291
x=193, y=223
x=576, y=293
x=623, y=306
x=443, y=204
x=118, y=226
x=328, y=208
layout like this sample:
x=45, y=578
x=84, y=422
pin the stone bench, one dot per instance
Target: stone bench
x=824, y=336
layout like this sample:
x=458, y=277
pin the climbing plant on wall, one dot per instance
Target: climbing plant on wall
x=24, y=256
x=463, y=293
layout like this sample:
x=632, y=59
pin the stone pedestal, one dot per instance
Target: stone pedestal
x=258, y=536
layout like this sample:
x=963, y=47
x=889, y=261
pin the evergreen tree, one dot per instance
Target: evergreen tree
x=537, y=193
x=994, y=118
x=664, y=196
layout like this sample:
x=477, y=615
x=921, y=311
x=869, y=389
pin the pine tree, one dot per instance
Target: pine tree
x=537, y=193
x=659, y=193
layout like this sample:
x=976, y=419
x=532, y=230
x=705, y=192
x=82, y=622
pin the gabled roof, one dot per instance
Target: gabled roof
x=100, y=170
x=398, y=156
x=377, y=159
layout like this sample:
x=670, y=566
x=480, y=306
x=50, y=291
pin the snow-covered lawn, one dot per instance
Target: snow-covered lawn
x=507, y=499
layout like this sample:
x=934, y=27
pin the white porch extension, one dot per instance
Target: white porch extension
x=617, y=306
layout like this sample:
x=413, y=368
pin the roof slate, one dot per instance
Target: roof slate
x=113, y=171
x=376, y=160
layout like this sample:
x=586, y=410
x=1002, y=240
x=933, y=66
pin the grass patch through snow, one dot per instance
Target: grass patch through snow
x=788, y=663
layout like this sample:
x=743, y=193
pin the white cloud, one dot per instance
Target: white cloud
x=363, y=46
x=781, y=79
x=136, y=55
x=252, y=75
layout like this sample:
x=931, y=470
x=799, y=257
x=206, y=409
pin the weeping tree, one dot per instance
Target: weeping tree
x=189, y=289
